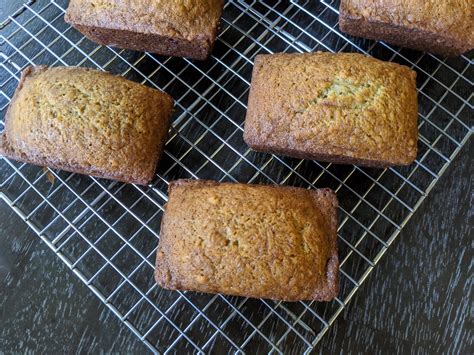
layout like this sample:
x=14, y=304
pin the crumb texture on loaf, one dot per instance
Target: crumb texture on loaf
x=249, y=240
x=342, y=107
x=170, y=27
x=87, y=121
x=445, y=27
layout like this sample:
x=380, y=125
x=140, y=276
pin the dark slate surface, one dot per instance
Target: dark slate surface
x=417, y=300
x=44, y=308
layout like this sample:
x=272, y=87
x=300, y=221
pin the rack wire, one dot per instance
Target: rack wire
x=107, y=232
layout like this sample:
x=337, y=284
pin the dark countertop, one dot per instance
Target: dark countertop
x=416, y=300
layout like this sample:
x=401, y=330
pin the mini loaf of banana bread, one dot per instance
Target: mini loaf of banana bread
x=86, y=121
x=183, y=28
x=445, y=27
x=342, y=108
x=249, y=240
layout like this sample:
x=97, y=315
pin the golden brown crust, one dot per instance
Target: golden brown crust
x=249, y=240
x=342, y=108
x=86, y=121
x=443, y=27
x=172, y=27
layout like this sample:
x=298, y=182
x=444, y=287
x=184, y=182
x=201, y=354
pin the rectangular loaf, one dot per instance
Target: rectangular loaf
x=444, y=27
x=86, y=121
x=249, y=240
x=169, y=27
x=342, y=108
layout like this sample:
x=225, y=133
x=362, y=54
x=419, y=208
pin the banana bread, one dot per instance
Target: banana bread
x=342, y=108
x=86, y=121
x=249, y=240
x=183, y=28
x=445, y=27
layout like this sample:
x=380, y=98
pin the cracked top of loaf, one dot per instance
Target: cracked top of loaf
x=249, y=240
x=87, y=121
x=439, y=26
x=343, y=107
x=185, y=19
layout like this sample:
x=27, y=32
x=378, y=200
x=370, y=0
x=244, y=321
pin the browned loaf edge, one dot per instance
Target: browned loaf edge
x=271, y=121
x=8, y=151
x=178, y=258
x=198, y=48
x=336, y=159
x=397, y=34
x=422, y=40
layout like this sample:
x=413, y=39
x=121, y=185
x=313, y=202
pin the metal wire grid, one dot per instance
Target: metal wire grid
x=107, y=232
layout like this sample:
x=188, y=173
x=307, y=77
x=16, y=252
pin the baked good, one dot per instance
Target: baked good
x=183, y=28
x=249, y=240
x=445, y=27
x=342, y=108
x=86, y=121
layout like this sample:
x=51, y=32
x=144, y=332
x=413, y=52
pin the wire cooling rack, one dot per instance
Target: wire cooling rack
x=107, y=232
